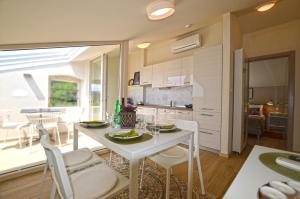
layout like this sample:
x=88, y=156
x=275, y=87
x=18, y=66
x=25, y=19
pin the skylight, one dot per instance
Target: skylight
x=10, y=60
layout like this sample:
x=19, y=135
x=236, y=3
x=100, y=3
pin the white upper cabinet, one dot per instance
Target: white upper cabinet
x=187, y=64
x=158, y=75
x=178, y=72
x=207, y=79
x=208, y=61
x=173, y=73
x=146, y=75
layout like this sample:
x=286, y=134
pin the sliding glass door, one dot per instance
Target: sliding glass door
x=96, y=88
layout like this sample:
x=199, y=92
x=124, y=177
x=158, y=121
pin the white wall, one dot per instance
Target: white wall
x=232, y=40
x=13, y=80
x=271, y=72
x=161, y=51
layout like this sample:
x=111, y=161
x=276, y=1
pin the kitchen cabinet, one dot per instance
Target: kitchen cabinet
x=146, y=75
x=184, y=115
x=187, y=64
x=172, y=75
x=208, y=61
x=210, y=139
x=166, y=114
x=207, y=93
x=158, y=75
x=178, y=72
x=208, y=120
x=146, y=111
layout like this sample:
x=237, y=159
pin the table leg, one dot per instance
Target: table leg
x=133, y=179
x=190, y=167
x=75, y=137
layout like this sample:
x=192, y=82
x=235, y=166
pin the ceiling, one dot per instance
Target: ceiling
x=35, y=21
x=282, y=12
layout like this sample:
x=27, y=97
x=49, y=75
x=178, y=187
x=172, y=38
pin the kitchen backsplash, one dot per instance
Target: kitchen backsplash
x=163, y=96
x=136, y=93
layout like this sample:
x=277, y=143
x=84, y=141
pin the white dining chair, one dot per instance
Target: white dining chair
x=178, y=154
x=89, y=182
x=49, y=120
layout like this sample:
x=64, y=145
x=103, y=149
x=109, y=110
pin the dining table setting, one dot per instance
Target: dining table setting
x=137, y=142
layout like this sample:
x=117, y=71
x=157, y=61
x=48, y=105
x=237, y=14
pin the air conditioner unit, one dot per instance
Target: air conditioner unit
x=186, y=44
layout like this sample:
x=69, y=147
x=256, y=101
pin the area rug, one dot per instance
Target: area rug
x=154, y=182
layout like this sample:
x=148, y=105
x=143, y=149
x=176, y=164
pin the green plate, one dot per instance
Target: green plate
x=162, y=127
x=94, y=124
x=126, y=134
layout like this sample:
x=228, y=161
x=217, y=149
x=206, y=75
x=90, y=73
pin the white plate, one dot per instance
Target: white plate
x=113, y=134
x=167, y=130
x=284, y=188
x=272, y=193
x=295, y=185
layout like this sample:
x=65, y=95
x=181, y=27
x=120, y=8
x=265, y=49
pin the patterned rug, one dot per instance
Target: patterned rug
x=154, y=182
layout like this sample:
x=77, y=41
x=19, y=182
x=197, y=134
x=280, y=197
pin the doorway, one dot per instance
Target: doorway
x=270, y=110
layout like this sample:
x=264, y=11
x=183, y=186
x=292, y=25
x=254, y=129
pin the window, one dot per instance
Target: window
x=63, y=92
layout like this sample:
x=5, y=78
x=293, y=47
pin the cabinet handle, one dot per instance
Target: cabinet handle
x=203, y=114
x=186, y=82
x=211, y=109
x=205, y=132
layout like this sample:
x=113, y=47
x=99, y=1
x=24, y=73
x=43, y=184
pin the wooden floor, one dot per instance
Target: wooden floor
x=218, y=172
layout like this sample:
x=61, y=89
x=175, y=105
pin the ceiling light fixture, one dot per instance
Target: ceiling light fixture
x=266, y=6
x=144, y=45
x=188, y=25
x=160, y=9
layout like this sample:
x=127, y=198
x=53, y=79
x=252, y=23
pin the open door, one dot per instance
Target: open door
x=240, y=102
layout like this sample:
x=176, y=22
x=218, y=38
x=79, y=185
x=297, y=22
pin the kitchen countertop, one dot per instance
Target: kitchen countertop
x=165, y=107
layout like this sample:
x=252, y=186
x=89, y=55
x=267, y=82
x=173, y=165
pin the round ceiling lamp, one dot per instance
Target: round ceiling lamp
x=144, y=45
x=160, y=9
x=266, y=6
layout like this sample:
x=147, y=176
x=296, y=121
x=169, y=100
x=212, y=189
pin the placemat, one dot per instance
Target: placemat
x=268, y=159
x=143, y=138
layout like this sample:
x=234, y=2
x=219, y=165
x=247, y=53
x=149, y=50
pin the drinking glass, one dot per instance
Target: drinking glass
x=155, y=129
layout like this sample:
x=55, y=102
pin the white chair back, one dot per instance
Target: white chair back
x=56, y=165
x=189, y=126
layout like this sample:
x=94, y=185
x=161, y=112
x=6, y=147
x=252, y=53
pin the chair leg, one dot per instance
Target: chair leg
x=20, y=138
x=168, y=183
x=58, y=137
x=31, y=138
x=6, y=135
x=110, y=158
x=43, y=179
x=142, y=174
x=53, y=190
x=200, y=174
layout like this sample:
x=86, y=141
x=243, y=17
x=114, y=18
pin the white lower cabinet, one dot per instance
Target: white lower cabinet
x=209, y=138
x=209, y=128
x=165, y=114
x=146, y=111
x=184, y=115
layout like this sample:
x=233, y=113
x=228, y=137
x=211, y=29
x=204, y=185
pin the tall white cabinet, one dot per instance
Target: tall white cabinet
x=207, y=95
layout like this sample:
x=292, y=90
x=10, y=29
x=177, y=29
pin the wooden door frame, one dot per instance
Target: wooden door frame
x=291, y=87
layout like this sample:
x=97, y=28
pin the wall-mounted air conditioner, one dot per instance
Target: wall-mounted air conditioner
x=186, y=44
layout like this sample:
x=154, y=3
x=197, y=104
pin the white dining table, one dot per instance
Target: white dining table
x=136, y=152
